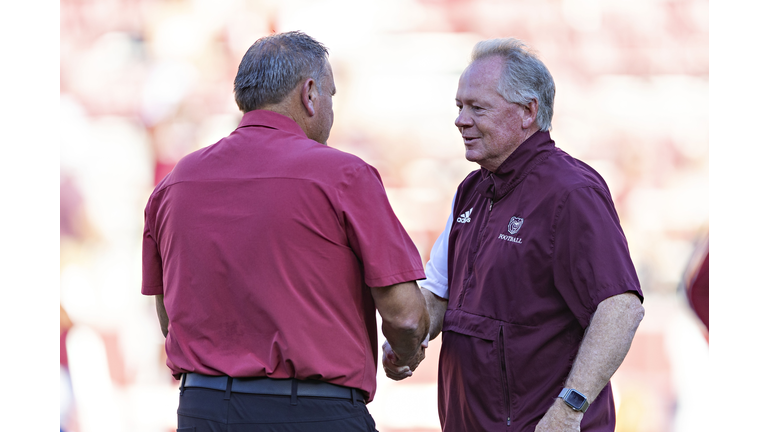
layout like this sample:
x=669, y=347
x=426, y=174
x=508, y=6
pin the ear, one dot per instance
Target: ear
x=529, y=113
x=309, y=96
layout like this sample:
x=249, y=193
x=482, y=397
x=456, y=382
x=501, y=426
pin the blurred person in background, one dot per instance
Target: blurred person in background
x=66, y=398
x=696, y=283
x=268, y=254
x=540, y=298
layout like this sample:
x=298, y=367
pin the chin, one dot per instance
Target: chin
x=470, y=156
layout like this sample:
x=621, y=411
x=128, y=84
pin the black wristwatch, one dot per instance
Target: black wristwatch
x=574, y=399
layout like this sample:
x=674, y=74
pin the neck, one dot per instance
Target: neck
x=292, y=108
x=496, y=163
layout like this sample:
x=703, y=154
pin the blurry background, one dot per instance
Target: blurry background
x=144, y=82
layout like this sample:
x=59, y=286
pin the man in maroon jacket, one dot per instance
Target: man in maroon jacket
x=542, y=298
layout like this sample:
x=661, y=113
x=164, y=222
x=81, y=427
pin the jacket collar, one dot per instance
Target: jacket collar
x=272, y=120
x=513, y=170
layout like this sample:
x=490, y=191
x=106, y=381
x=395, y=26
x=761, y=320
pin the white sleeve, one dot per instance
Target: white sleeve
x=437, y=266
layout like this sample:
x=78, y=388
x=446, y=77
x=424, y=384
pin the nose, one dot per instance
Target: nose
x=463, y=120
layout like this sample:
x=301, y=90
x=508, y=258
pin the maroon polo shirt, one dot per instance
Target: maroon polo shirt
x=264, y=245
x=534, y=248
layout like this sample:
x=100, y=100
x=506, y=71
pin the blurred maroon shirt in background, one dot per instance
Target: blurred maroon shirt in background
x=697, y=283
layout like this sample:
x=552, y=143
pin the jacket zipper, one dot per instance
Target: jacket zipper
x=480, y=235
x=504, y=386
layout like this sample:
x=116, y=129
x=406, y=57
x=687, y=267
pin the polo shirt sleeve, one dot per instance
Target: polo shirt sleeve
x=151, y=264
x=437, y=267
x=382, y=245
x=590, y=253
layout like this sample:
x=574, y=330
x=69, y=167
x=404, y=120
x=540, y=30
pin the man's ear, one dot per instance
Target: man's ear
x=309, y=95
x=529, y=113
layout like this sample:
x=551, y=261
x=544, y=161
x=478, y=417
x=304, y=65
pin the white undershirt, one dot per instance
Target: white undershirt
x=436, y=269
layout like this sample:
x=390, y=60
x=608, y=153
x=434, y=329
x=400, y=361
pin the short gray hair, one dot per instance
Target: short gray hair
x=523, y=78
x=274, y=65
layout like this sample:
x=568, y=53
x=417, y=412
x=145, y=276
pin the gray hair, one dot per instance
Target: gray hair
x=523, y=78
x=274, y=65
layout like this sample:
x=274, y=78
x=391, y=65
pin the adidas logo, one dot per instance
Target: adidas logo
x=464, y=218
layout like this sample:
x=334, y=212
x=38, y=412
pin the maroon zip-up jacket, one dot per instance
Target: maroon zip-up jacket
x=534, y=248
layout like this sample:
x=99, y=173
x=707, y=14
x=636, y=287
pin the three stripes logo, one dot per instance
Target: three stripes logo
x=464, y=218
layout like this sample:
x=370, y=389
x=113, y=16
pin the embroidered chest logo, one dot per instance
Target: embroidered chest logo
x=514, y=224
x=464, y=218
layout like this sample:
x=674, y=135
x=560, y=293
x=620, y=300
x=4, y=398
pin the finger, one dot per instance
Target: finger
x=396, y=369
x=390, y=360
x=394, y=373
x=399, y=376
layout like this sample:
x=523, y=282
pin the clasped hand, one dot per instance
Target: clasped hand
x=397, y=368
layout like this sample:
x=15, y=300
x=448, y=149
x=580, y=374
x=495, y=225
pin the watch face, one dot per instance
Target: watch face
x=574, y=399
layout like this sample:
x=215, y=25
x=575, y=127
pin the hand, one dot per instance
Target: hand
x=560, y=418
x=389, y=360
x=395, y=368
x=414, y=361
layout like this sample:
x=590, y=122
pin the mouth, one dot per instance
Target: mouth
x=469, y=140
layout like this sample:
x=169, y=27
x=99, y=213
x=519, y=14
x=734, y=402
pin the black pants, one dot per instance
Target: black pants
x=205, y=410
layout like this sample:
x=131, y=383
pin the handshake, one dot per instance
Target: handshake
x=398, y=368
x=402, y=352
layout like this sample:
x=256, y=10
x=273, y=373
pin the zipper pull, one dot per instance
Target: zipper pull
x=490, y=206
x=507, y=421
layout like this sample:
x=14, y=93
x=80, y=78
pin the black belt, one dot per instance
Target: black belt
x=271, y=386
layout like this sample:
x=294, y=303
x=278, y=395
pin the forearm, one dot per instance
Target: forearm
x=162, y=315
x=605, y=344
x=406, y=339
x=405, y=320
x=436, y=306
x=602, y=350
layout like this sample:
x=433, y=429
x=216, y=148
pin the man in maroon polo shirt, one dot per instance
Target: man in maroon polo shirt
x=268, y=254
x=542, y=298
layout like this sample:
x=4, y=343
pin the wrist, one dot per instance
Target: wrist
x=409, y=357
x=400, y=357
x=573, y=399
x=567, y=418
